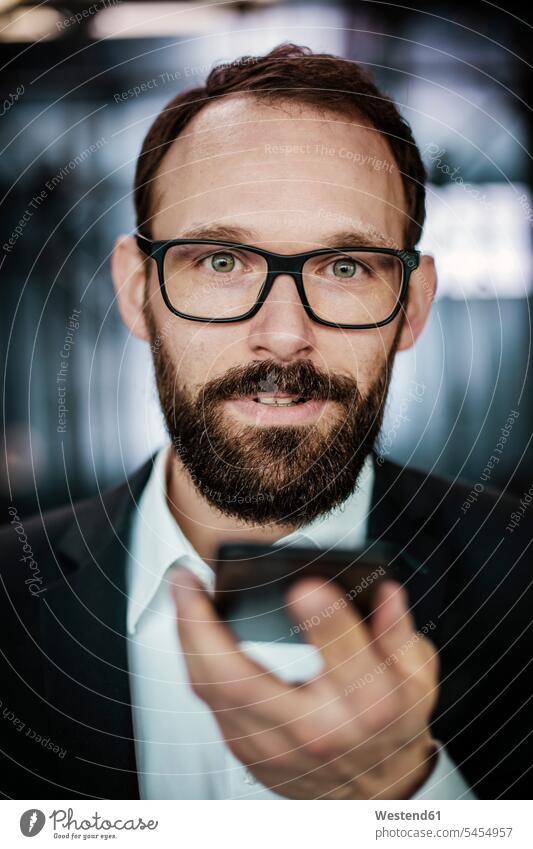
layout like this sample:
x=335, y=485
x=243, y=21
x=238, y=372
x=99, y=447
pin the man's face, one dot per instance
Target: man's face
x=285, y=178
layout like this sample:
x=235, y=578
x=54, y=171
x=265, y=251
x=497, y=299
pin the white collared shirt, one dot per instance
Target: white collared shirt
x=180, y=751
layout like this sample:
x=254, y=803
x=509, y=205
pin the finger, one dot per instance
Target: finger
x=218, y=668
x=334, y=627
x=394, y=630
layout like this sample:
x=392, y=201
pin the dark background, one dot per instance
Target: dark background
x=461, y=74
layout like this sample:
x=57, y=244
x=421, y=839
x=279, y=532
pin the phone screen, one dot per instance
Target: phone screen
x=252, y=579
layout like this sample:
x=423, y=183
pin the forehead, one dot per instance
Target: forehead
x=289, y=171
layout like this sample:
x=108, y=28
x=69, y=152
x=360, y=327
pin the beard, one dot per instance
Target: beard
x=287, y=475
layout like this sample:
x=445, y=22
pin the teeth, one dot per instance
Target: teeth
x=277, y=402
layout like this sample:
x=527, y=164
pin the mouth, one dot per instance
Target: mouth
x=278, y=399
x=276, y=408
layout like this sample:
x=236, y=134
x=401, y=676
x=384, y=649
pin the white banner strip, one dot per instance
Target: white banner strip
x=266, y=824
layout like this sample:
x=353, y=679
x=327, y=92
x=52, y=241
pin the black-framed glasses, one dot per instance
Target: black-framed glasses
x=220, y=281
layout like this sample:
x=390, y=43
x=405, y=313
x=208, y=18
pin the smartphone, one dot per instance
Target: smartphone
x=252, y=579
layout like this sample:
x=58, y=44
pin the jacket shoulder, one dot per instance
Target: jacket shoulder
x=36, y=542
x=432, y=492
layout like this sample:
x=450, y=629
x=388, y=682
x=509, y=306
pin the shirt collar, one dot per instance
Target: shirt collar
x=158, y=543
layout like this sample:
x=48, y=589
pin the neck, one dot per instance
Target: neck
x=205, y=527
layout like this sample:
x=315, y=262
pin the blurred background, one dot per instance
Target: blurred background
x=71, y=133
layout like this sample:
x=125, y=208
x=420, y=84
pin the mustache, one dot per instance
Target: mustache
x=298, y=378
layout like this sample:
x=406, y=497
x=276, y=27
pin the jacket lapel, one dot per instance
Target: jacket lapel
x=83, y=629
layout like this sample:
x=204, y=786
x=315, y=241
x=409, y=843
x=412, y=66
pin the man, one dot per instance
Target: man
x=274, y=275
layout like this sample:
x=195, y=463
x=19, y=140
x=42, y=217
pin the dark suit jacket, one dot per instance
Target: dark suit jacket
x=65, y=715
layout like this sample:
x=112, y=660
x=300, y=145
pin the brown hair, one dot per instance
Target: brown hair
x=290, y=72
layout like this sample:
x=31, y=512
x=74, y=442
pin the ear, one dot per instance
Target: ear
x=422, y=288
x=128, y=267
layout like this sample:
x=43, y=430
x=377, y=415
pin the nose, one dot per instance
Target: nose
x=281, y=329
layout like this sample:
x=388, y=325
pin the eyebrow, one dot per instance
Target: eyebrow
x=234, y=233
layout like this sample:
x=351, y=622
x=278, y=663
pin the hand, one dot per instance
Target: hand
x=357, y=730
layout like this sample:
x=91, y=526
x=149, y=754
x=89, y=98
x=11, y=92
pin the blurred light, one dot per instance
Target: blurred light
x=480, y=236
x=142, y=20
x=7, y=4
x=29, y=23
x=25, y=453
